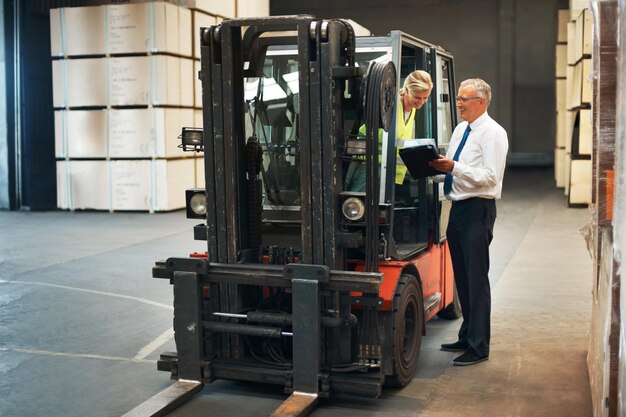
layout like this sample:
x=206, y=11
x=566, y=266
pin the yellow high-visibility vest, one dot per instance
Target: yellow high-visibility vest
x=404, y=130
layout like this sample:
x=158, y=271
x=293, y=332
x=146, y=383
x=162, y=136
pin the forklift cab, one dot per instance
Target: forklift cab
x=413, y=213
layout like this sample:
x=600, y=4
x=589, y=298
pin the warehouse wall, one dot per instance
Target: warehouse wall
x=509, y=43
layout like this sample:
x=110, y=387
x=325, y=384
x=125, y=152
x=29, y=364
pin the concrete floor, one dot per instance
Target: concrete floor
x=82, y=321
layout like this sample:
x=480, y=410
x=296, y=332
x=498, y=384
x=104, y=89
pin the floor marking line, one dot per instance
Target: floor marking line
x=109, y=294
x=74, y=355
x=154, y=345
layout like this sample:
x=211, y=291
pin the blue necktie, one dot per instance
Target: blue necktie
x=447, y=184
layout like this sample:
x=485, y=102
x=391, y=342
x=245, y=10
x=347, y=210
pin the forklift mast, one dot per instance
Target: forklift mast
x=325, y=64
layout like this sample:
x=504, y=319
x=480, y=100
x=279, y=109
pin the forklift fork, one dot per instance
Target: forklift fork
x=166, y=400
x=189, y=366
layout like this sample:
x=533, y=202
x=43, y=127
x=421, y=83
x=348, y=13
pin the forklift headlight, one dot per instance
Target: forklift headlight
x=353, y=209
x=196, y=203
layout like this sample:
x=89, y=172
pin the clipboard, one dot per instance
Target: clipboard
x=416, y=157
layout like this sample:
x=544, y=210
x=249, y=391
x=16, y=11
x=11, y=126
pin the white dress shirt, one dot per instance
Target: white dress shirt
x=480, y=168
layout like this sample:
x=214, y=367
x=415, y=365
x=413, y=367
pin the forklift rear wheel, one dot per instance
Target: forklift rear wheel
x=453, y=310
x=408, y=326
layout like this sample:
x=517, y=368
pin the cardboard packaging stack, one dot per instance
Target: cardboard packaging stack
x=124, y=84
x=561, y=106
x=606, y=341
x=574, y=96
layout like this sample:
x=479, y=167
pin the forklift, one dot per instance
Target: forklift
x=306, y=283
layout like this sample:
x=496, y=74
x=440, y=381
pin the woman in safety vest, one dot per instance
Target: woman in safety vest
x=413, y=95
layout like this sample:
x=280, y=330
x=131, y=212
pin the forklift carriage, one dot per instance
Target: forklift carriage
x=306, y=282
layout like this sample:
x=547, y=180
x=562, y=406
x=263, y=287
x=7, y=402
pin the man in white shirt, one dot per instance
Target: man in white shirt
x=474, y=167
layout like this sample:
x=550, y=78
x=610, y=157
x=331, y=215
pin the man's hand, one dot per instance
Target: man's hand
x=442, y=164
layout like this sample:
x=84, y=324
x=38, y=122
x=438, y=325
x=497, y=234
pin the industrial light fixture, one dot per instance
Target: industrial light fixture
x=353, y=209
x=196, y=203
x=191, y=139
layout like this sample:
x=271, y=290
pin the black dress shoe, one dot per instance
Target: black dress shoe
x=457, y=346
x=469, y=358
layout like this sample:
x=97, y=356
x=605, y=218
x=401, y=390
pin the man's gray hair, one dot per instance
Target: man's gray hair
x=481, y=88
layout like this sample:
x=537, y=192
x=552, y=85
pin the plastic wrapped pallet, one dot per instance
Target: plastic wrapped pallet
x=78, y=31
x=83, y=185
x=144, y=80
x=617, y=183
x=146, y=133
x=603, y=357
x=124, y=86
x=148, y=27
x=79, y=82
x=143, y=27
x=137, y=185
x=123, y=81
x=154, y=185
x=80, y=133
x=598, y=356
x=121, y=133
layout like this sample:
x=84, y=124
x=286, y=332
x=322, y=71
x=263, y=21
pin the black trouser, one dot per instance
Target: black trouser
x=470, y=231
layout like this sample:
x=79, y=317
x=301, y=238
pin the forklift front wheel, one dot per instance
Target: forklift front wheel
x=408, y=326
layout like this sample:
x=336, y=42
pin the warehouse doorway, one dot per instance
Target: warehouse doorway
x=27, y=168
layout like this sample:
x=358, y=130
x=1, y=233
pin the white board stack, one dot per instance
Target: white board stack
x=124, y=85
x=574, y=96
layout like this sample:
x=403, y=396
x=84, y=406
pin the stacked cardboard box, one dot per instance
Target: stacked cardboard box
x=573, y=96
x=124, y=84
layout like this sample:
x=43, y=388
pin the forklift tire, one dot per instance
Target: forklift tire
x=408, y=327
x=453, y=310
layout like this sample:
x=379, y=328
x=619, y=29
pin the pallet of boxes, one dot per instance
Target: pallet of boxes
x=573, y=97
x=124, y=84
x=603, y=358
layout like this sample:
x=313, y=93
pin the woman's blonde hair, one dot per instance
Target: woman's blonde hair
x=417, y=81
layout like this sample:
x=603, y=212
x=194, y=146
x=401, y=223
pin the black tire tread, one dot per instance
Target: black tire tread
x=397, y=380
